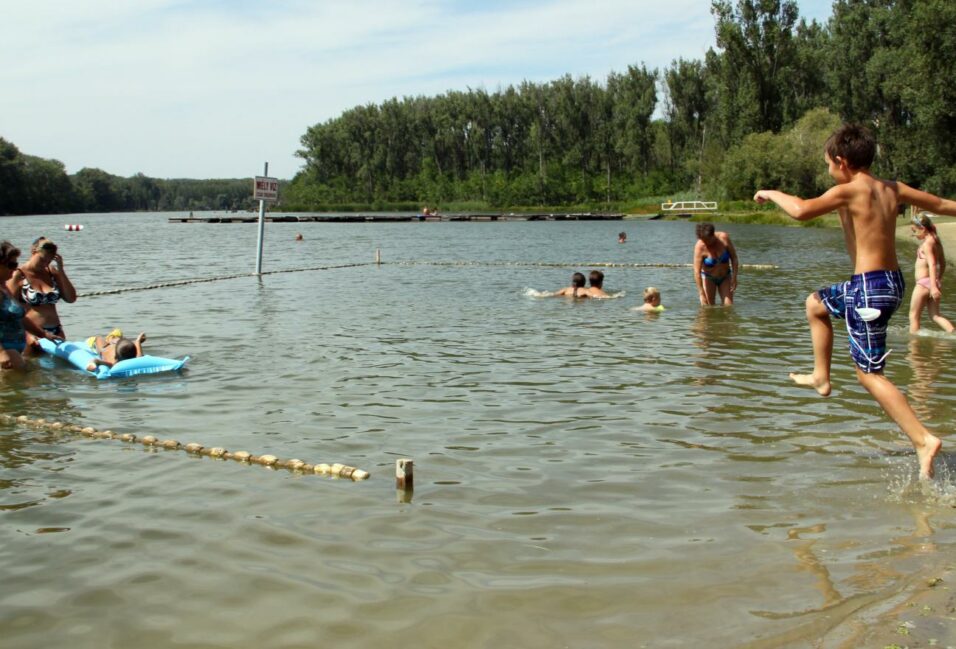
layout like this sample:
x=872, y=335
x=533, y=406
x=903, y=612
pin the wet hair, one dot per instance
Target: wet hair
x=650, y=292
x=596, y=278
x=578, y=280
x=8, y=251
x=852, y=143
x=705, y=230
x=125, y=349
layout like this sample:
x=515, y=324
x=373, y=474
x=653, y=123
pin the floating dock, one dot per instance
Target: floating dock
x=394, y=217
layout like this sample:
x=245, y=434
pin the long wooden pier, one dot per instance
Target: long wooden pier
x=393, y=217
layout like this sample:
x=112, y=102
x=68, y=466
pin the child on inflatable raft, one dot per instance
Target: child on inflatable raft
x=113, y=348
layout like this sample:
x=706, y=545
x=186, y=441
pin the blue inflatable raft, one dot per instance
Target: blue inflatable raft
x=79, y=355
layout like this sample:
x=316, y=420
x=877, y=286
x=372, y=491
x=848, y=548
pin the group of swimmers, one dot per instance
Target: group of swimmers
x=579, y=289
x=29, y=293
x=715, y=270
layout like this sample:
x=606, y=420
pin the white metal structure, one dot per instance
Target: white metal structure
x=689, y=206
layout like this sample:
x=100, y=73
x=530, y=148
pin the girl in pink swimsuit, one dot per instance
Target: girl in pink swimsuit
x=930, y=264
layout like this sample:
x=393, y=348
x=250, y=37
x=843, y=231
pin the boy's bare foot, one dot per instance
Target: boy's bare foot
x=926, y=454
x=822, y=387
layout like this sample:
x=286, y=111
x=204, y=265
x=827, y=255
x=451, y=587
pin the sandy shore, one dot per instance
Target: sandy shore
x=923, y=615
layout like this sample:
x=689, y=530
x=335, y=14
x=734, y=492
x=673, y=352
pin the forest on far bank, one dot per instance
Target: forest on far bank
x=754, y=112
x=32, y=185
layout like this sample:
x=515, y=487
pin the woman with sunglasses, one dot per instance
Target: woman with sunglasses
x=43, y=283
x=13, y=321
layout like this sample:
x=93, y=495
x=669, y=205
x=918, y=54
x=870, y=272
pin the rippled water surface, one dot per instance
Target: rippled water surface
x=586, y=476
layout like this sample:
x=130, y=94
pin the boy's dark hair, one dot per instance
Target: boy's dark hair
x=125, y=349
x=852, y=143
x=597, y=278
x=705, y=230
x=578, y=281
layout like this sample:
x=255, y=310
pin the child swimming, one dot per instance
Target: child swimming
x=652, y=301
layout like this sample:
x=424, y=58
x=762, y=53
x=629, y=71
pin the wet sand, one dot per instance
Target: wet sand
x=947, y=232
x=923, y=615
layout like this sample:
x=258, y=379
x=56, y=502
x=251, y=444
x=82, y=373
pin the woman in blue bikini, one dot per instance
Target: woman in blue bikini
x=715, y=265
x=13, y=321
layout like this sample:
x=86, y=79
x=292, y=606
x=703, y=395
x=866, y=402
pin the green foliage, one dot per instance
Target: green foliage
x=791, y=161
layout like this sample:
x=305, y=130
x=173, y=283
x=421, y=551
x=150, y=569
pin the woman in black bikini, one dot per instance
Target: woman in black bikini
x=43, y=282
x=715, y=265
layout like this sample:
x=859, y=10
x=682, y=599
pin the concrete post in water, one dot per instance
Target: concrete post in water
x=262, y=222
x=378, y=255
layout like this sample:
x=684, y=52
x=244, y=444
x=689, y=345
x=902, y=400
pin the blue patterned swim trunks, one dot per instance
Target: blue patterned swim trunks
x=866, y=302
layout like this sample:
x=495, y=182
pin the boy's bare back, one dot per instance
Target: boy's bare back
x=868, y=214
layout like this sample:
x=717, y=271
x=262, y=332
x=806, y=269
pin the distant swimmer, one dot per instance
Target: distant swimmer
x=577, y=288
x=652, y=301
x=299, y=237
x=622, y=237
x=597, y=285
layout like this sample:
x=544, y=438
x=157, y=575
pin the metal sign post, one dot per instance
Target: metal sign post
x=265, y=189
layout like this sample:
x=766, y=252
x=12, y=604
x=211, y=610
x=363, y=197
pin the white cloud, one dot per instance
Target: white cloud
x=190, y=88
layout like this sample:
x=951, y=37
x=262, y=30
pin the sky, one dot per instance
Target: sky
x=216, y=88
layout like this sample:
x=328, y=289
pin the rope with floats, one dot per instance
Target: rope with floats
x=336, y=470
x=547, y=264
x=220, y=278
x=378, y=262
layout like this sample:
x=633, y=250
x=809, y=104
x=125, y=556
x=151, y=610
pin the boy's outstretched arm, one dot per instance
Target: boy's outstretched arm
x=805, y=209
x=926, y=201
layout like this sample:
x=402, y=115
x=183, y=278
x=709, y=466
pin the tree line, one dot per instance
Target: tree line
x=754, y=111
x=32, y=185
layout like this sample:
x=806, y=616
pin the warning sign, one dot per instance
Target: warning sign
x=265, y=189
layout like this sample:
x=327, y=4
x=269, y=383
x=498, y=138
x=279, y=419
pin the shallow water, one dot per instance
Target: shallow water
x=586, y=476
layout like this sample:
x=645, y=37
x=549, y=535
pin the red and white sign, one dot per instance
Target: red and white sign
x=265, y=189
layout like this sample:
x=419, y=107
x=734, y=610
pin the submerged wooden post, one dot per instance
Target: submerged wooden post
x=404, y=480
x=404, y=474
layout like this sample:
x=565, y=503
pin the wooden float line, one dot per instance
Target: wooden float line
x=546, y=264
x=336, y=470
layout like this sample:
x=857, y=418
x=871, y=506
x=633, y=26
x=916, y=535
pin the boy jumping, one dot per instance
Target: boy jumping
x=867, y=207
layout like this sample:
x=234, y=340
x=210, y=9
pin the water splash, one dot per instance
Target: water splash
x=904, y=485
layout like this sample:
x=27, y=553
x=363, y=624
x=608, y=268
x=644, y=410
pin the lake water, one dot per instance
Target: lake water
x=586, y=476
